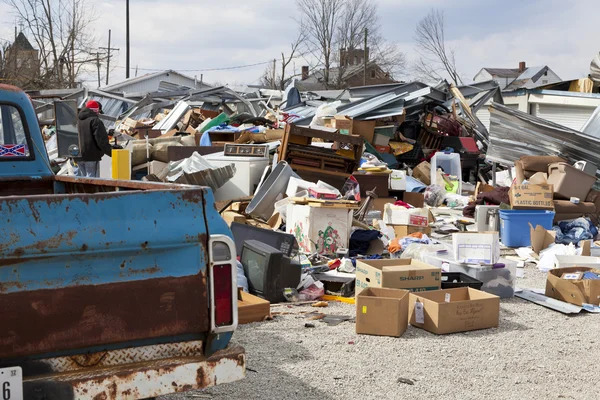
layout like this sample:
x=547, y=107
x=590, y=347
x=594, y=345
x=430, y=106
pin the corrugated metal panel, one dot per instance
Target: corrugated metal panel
x=570, y=116
x=484, y=116
x=514, y=134
x=592, y=126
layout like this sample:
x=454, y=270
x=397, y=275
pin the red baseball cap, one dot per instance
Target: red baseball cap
x=93, y=105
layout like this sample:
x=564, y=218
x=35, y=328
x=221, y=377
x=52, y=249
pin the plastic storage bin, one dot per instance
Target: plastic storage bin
x=450, y=164
x=514, y=225
x=497, y=281
x=569, y=181
x=452, y=280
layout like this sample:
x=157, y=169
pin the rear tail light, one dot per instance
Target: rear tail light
x=222, y=294
x=222, y=274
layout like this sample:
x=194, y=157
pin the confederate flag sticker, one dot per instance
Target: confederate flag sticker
x=13, y=150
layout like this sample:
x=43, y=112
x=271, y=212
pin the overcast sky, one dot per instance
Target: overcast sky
x=195, y=35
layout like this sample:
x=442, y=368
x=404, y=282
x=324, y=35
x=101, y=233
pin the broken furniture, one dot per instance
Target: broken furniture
x=304, y=155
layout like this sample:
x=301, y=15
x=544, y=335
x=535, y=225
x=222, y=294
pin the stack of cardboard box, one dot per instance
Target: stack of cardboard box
x=393, y=293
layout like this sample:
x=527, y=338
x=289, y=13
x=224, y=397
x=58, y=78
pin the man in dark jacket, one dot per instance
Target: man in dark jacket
x=93, y=140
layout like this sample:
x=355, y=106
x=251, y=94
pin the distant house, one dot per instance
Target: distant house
x=149, y=83
x=350, y=73
x=524, y=77
x=21, y=63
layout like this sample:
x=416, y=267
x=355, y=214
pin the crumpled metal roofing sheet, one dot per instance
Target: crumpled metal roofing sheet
x=592, y=125
x=514, y=134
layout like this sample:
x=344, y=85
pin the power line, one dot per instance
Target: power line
x=301, y=55
x=206, y=69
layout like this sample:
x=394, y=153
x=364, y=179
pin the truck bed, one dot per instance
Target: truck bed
x=91, y=264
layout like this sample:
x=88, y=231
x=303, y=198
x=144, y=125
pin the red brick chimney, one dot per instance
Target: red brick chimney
x=304, y=72
x=522, y=66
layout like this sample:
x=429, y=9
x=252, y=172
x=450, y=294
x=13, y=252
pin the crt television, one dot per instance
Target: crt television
x=279, y=240
x=268, y=271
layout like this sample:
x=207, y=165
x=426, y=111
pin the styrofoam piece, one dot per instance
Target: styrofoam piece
x=263, y=203
x=577, y=261
x=296, y=184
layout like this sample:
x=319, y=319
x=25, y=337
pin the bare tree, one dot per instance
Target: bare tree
x=269, y=78
x=436, y=59
x=279, y=79
x=352, y=19
x=319, y=20
x=61, y=31
x=357, y=16
x=285, y=61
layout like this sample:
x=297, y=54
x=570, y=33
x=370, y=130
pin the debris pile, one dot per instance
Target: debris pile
x=395, y=197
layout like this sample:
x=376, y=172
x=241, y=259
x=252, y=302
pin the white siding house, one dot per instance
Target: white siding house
x=149, y=83
x=570, y=109
x=518, y=78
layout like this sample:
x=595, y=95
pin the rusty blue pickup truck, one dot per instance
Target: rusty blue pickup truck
x=108, y=289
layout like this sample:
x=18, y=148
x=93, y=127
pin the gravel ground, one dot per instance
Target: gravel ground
x=536, y=353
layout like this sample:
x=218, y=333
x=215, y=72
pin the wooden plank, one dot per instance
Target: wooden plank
x=320, y=203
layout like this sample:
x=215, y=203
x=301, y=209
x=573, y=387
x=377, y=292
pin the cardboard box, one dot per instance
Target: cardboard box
x=348, y=126
x=398, y=215
x=454, y=310
x=476, y=247
x=405, y=230
x=483, y=188
x=422, y=172
x=252, y=308
x=408, y=274
x=539, y=178
x=319, y=229
x=531, y=197
x=573, y=291
x=397, y=180
x=541, y=238
x=414, y=199
x=380, y=202
x=232, y=216
x=382, y=312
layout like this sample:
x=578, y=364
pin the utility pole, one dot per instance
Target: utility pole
x=365, y=58
x=127, y=38
x=98, y=66
x=274, y=66
x=108, y=49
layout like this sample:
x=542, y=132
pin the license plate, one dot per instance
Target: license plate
x=11, y=383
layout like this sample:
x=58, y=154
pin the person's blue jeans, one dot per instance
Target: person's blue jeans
x=88, y=169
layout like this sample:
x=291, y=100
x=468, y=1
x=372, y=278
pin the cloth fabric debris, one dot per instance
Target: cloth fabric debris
x=361, y=240
x=496, y=197
x=398, y=244
x=575, y=231
x=435, y=195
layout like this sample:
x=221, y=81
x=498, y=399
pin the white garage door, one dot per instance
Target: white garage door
x=570, y=116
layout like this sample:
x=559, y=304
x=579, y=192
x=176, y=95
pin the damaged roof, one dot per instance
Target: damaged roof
x=514, y=134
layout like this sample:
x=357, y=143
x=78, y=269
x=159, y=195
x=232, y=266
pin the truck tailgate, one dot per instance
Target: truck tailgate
x=85, y=272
